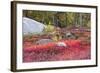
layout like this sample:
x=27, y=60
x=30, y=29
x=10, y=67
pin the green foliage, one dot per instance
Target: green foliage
x=70, y=18
x=49, y=28
x=61, y=19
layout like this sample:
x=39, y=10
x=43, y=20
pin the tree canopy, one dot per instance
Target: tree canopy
x=59, y=19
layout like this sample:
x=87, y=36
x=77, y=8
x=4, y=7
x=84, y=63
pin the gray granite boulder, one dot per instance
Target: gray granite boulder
x=32, y=26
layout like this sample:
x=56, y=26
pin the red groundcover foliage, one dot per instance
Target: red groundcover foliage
x=75, y=50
